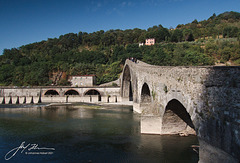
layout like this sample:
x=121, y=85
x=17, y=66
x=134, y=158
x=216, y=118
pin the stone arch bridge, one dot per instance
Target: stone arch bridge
x=182, y=100
x=171, y=100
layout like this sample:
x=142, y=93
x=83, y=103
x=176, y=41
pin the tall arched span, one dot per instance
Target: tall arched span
x=51, y=92
x=71, y=92
x=127, y=92
x=176, y=119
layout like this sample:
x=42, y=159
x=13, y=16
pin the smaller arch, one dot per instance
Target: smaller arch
x=51, y=92
x=32, y=102
x=39, y=100
x=3, y=101
x=25, y=100
x=17, y=102
x=145, y=94
x=10, y=100
x=92, y=92
x=71, y=92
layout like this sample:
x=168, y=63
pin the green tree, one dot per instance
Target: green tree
x=176, y=36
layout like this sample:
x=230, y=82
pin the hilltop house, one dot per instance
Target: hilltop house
x=150, y=41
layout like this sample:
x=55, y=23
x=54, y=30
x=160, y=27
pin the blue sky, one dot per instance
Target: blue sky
x=27, y=21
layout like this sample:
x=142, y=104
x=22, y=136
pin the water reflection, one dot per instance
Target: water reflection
x=82, y=133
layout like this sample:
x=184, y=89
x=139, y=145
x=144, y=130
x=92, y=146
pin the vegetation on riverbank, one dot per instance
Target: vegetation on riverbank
x=207, y=42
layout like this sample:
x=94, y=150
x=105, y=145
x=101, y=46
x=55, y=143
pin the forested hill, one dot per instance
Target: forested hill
x=215, y=40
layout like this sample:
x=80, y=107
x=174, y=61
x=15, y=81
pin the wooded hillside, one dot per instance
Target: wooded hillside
x=215, y=40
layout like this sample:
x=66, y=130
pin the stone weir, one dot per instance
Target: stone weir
x=183, y=100
x=19, y=95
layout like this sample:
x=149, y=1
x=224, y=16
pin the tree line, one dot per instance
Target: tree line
x=103, y=53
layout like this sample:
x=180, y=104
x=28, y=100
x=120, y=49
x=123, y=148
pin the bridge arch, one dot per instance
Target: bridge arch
x=176, y=119
x=145, y=94
x=51, y=92
x=93, y=92
x=71, y=92
x=127, y=91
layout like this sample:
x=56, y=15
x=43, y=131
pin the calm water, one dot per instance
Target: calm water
x=87, y=134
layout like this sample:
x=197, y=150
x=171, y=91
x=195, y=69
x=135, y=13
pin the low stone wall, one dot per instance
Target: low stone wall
x=19, y=100
x=41, y=91
x=59, y=99
x=17, y=95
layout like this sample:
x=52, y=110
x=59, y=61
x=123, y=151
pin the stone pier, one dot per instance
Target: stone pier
x=188, y=100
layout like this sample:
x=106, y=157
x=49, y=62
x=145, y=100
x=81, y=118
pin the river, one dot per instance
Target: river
x=85, y=133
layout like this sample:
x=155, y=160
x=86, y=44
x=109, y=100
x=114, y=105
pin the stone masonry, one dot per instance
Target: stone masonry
x=9, y=95
x=206, y=99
